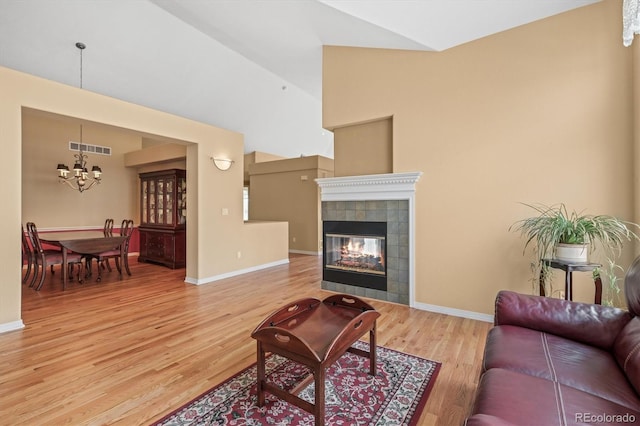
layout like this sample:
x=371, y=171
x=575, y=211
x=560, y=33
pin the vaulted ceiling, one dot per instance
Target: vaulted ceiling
x=253, y=66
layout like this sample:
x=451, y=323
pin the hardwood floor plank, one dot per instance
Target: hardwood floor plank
x=128, y=352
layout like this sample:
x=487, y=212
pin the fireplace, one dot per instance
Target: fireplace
x=355, y=253
x=388, y=198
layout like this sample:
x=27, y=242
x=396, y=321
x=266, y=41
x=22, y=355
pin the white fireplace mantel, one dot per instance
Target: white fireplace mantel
x=392, y=186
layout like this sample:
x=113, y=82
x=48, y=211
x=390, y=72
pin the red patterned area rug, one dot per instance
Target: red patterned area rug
x=395, y=396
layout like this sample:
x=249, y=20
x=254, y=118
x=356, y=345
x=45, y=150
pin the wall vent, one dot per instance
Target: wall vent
x=89, y=148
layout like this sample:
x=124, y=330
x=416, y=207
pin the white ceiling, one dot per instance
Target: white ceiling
x=253, y=66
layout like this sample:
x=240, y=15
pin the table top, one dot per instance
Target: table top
x=316, y=329
x=84, y=242
x=566, y=265
x=72, y=235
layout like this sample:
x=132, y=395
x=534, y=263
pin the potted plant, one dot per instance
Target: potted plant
x=572, y=236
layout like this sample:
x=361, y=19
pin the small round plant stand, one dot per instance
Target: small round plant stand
x=569, y=268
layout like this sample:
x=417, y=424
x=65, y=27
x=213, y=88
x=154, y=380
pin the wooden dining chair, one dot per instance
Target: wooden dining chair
x=107, y=230
x=27, y=255
x=129, y=232
x=48, y=258
x=126, y=229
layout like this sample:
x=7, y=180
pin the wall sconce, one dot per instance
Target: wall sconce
x=223, y=164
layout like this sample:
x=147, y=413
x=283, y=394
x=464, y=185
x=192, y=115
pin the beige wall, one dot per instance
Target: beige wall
x=45, y=143
x=364, y=148
x=257, y=157
x=286, y=190
x=167, y=156
x=210, y=190
x=539, y=113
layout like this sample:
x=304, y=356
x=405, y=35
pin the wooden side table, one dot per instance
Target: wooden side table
x=315, y=334
x=569, y=268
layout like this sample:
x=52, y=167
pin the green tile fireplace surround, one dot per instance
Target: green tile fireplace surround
x=396, y=214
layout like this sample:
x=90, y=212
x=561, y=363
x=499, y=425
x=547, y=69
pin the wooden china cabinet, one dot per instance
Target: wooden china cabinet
x=163, y=215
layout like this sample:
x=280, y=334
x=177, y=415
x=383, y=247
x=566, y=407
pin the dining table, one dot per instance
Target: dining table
x=84, y=242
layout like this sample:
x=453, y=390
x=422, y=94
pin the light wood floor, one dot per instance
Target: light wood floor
x=127, y=352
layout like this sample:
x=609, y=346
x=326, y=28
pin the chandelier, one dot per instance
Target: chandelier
x=80, y=179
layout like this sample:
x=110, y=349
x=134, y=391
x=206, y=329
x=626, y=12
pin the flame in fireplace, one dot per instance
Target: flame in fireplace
x=358, y=247
x=355, y=247
x=355, y=253
x=360, y=254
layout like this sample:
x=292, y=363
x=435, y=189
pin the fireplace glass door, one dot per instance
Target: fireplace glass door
x=355, y=253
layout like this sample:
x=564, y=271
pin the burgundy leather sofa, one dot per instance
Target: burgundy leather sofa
x=556, y=362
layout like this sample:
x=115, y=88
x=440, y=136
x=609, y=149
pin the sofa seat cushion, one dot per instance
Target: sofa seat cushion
x=505, y=396
x=556, y=359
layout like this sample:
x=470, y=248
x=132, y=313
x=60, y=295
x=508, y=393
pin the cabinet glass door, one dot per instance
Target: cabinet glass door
x=152, y=201
x=169, y=201
x=163, y=199
x=181, y=197
x=161, y=207
x=145, y=200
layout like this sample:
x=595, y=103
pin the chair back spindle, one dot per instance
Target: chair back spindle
x=108, y=228
x=32, y=230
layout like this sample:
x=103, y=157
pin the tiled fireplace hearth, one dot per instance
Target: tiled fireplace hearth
x=357, y=200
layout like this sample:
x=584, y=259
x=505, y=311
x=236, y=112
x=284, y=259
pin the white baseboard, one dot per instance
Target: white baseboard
x=422, y=306
x=11, y=326
x=454, y=312
x=196, y=281
x=310, y=253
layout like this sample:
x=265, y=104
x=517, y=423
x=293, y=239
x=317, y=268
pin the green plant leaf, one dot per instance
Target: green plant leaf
x=555, y=224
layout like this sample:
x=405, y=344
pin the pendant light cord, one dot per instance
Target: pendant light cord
x=80, y=46
x=81, y=68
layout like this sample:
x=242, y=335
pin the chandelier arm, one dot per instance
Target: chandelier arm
x=89, y=183
x=93, y=182
x=68, y=182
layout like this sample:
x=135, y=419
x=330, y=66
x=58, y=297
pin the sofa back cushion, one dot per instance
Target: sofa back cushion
x=627, y=351
x=595, y=325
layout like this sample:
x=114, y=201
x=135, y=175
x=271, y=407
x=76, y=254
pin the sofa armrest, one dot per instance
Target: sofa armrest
x=588, y=323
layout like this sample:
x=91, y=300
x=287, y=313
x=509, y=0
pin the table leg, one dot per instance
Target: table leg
x=319, y=374
x=64, y=268
x=598, y=283
x=261, y=374
x=568, y=286
x=126, y=261
x=372, y=350
x=121, y=261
